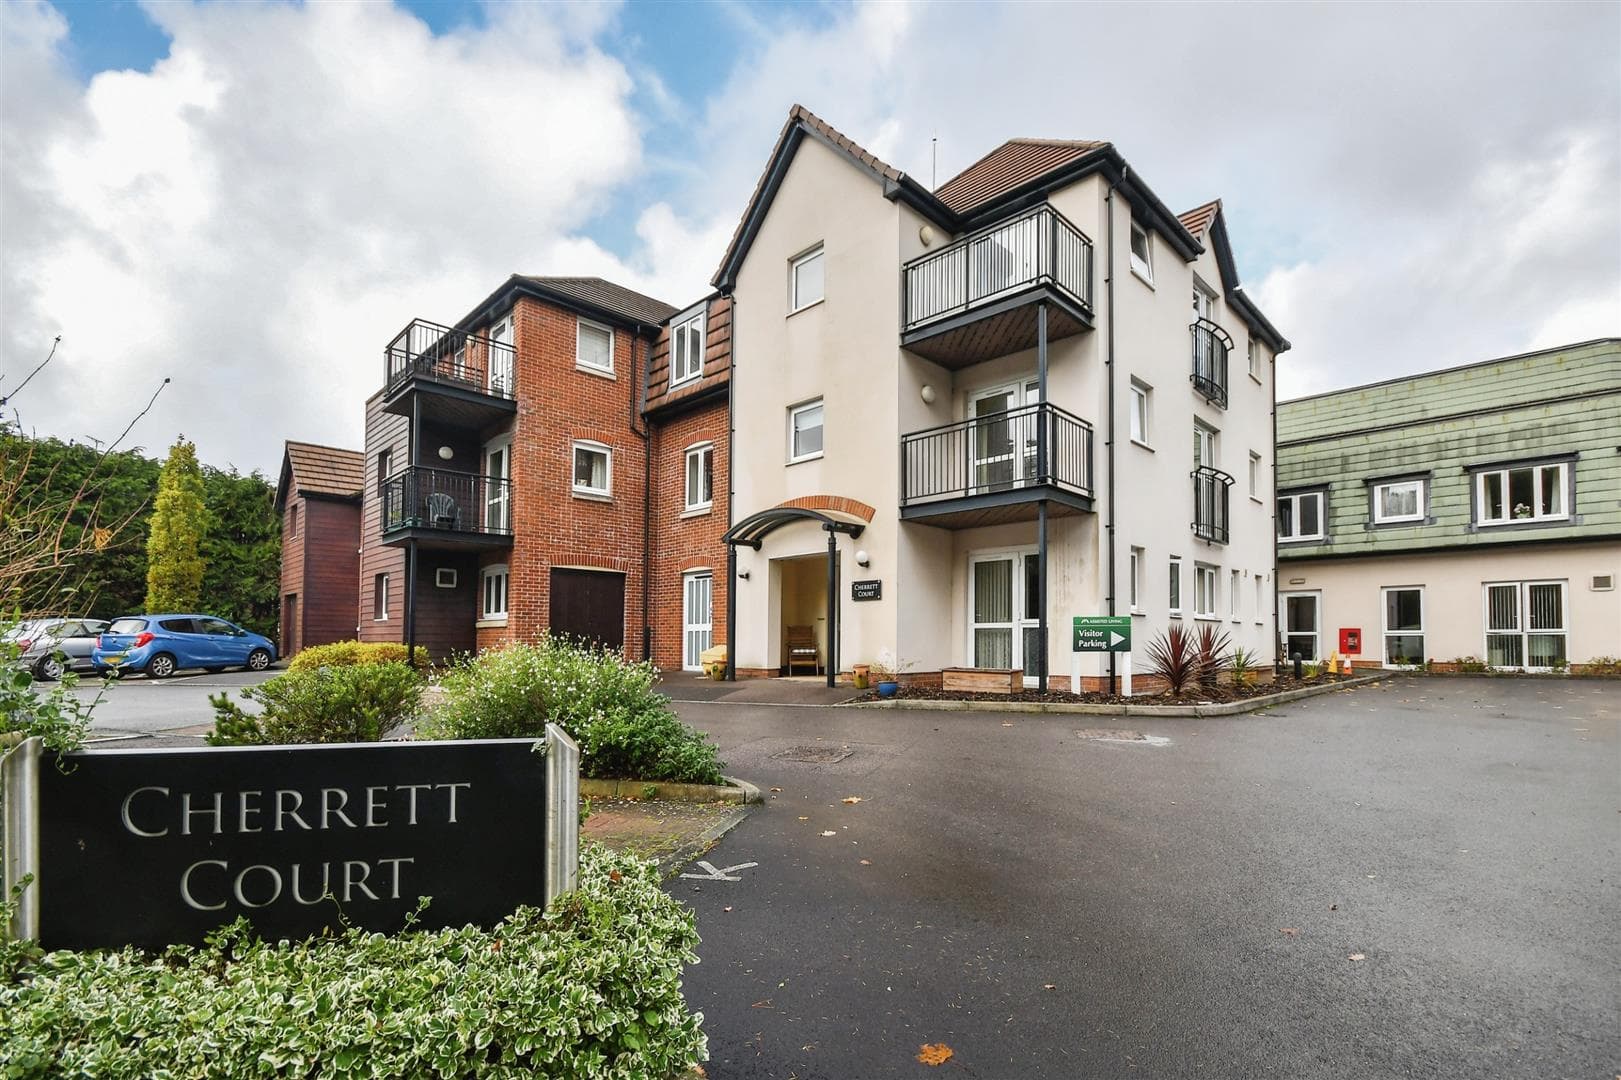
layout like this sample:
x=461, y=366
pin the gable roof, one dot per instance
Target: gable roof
x=1197, y=220
x=1209, y=219
x=1011, y=165
x=605, y=295
x=313, y=469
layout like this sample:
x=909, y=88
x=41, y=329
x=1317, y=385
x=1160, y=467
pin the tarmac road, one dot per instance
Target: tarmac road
x=138, y=707
x=1417, y=879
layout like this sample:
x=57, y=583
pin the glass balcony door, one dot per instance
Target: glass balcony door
x=500, y=359
x=497, y=493
x=1004, y=447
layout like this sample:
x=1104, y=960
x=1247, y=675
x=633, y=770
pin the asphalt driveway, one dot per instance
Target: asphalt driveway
x=136, y=706
x=1409, y=880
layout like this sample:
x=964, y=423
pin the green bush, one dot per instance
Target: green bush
x=590, y=989
x=626, y=729
x=348, y=653
x=320, y=705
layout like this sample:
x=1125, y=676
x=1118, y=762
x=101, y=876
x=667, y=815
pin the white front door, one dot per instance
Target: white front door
x=698, y=618
x=1302, y=617
x=1004, y=625
x=500, y=359
x=497, y=492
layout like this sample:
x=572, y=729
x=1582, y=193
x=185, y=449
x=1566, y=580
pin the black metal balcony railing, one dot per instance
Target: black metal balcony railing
x=1210, y=491
x=455, y=356
x=1210, y=348
x=1037, y=247
x=420, y=498
x=1031, y=446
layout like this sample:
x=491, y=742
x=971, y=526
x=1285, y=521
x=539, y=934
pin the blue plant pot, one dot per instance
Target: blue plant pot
x=888, y=688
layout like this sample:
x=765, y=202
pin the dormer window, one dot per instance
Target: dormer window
x=687, y=347
x=1142, y=253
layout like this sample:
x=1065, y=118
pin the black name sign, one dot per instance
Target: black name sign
x=866, y=590
x=153, y=847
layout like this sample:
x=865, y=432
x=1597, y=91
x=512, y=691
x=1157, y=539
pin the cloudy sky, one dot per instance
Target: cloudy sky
x=252, y=198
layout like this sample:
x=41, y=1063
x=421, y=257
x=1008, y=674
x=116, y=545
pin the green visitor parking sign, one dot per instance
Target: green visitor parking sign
x=1102, y=633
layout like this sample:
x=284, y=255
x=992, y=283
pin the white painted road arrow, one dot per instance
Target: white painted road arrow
x=719, y=875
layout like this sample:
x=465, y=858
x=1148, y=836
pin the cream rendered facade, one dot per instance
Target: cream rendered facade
x=846, y=352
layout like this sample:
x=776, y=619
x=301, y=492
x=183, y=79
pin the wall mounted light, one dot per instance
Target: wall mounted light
x=925, y=235
x=446, y=453
x=928, y=394
x=861, y=558
x=743, y=574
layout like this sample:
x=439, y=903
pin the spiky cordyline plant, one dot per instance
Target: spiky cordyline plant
x=1171, y=657
x=1210, y=647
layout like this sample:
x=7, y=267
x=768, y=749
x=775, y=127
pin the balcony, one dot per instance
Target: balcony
x=449, y=377
x=1211, y=488
x=445, y=510
x=997, y=468
x=977, y=298
x=1210, y=348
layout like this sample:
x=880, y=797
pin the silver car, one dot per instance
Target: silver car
x=52, y=646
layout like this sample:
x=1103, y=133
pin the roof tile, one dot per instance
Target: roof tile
x=326, y=470
x=1011, y=165
x=607, y=296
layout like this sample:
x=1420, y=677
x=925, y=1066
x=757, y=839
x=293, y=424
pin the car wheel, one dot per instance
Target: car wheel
x=160, y=666
x=258, y=659
x=49, y=669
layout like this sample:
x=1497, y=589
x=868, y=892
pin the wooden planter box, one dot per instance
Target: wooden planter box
x=983, y=680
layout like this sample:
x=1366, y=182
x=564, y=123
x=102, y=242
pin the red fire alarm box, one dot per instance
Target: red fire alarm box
x=1350, y=640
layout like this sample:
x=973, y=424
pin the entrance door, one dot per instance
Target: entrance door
x=1302, y=623
x=589, y=606
x=1525, y=624
x=500, y=360
x=497, y=493
x=1004, y=447
x=698, y=618
x=1005, y=630
x=289, y=625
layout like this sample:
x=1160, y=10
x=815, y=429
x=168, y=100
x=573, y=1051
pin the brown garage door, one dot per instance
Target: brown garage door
x=589, y=605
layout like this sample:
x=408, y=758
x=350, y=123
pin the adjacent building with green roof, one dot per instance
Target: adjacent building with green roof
x=1472, y=513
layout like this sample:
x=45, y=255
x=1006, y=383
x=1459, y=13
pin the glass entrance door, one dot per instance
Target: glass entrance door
x=698, y=618
x=1005, y=630
x=497, y=492
x=1301, y=625
x=1004, y=446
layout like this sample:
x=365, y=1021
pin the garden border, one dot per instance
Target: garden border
x=735, y=791
x=1224, y=708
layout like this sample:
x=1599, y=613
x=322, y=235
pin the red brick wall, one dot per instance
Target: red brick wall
x=684, y=542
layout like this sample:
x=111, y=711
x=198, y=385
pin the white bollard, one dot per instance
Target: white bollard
x=19, y=790
x=562, y=813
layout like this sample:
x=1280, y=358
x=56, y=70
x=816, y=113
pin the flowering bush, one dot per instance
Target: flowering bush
x=590, y=989
x=626, y=729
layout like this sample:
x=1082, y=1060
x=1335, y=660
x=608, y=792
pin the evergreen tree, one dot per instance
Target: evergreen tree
x=174, y=548
x=242, y=549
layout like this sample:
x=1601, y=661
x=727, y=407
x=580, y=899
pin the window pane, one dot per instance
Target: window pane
x=1404, y=609
x=1311, y=512
x=1522, y=497
x=678, y=351
x=1286, y=517
x=1398, y=500
x=1032, y=587
x=1139, y=244
x=808, y=431
x=1301, y=645
x=808, y=280
x=1545, y=607
x=1300, y=614
x=993, y=648
x=1503, y=650
x=695, y=347
x=1492, y=508
x=590, y=469
x=1176, y=585
x=706, y=475
x=1545, y=650
x=1404, y=648
x=692, y=480
x=993, y=591
x=1553, y=491
x=1502, y=607
x=1031, y=642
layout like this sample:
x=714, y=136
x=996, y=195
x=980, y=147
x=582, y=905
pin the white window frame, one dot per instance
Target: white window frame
x=1536, y=471
x=705, y=453
x=692, y=633
x=1255, y=476
x=379, y=597
x=1253, y=348
x=1386, y=633
x=794, y=412
x=1206, y=445
x=815, y=254
x=580, y=362
x=608, y=468
x=1142, y=266
x=1315, y=633
x=1386, y=485
x=1135, y=581
x=1206, y=599
x=1322, y=524
x=1141, y=417
x=1173, y=588
x=685, y=363
x=1260, y=600
x=1022, y=618
x=1233, y=590
x=494, y=615
x=1522, y=628
x=497, y=507
x=501, y=378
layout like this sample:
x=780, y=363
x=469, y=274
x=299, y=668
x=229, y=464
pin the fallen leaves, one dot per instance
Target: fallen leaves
x=728, y=907
x=803, y=817
x=866, y=862
x=1049, y=986
x=850, y=800
x=934, y=1053
x=776, y=789
x=829, y=832
x=1354, y=957
x=1291, y=931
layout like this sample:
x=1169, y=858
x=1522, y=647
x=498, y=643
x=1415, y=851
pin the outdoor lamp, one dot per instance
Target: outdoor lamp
x=861, y=558
x=928, y=394
x=446, y=453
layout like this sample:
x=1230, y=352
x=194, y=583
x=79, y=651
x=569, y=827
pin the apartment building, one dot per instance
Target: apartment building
x=1467, y=514
x=549, y=462
x=965, y=416
x=318, y=496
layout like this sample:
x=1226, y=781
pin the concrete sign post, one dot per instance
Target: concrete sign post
x=1104, y=634
x=159, y=847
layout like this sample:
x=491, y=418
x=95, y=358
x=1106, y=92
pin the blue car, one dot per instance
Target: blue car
x=160, y=645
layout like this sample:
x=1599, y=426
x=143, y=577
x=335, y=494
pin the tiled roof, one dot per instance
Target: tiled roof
x=1011, y=165
x=326, y=470
x=607, y=296
x=1197, y=220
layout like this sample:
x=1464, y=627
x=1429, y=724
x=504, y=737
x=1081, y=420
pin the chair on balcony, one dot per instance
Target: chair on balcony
x=802, y=649
x=443, y=513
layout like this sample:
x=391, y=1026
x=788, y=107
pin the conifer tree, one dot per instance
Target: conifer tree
x=174, y=547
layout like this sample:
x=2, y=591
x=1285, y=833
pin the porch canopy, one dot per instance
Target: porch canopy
x=752, y=531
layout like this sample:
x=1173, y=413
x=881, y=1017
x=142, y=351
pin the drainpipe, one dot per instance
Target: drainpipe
x=1108, y=511
x=638, y=412
x=731, y=501
x=1278, y=655
x=1043, y=465
x=411, y=547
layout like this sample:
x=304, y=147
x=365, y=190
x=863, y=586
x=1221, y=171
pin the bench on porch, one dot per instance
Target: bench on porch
x=982, y=680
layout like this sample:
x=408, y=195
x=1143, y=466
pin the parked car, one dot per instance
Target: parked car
x=49, y=647
x=160, y=645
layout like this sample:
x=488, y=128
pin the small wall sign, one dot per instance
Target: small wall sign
x=158, y=847
x=866, y=590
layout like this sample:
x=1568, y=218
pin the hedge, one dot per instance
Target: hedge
x=591, y=989
x=348, y=653
x=359, y=703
